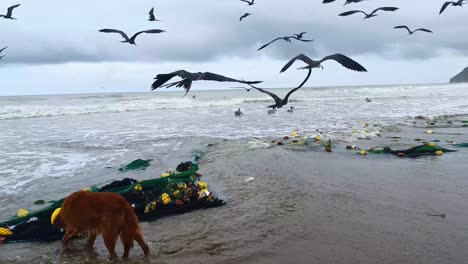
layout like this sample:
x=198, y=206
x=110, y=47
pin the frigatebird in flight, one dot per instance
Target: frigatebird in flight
x=459, y=3
x=372, y=14
x=132, y=39
x=10, y=12
x=412, y=32
x=151, y=15
x=347, y=1
x=1, y=50
x=189, y=77
x=288, y=39
x=244, y=16
x=249, y=2
x=340, y=58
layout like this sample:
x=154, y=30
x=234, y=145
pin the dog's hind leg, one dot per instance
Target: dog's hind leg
x=110, y=234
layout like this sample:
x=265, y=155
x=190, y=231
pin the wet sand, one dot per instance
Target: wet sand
x=309, y=206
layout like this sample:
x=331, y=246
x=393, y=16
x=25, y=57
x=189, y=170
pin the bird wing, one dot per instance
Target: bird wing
x=278, y=100
x=209, y=76
x=384, y=9
x=151, y=31
x=285, y=101
x=245, y=1
x=352, y=12
x=328, y=1
x=444, y=6
x=406, y=27
x=304, y=40
x=107, y=30
x=3, y=49
x=10, y=10
x=151, y=15
x=301, y=57
x=161, y=79
x=424, y=30
x=346, y=62
x=264, y=46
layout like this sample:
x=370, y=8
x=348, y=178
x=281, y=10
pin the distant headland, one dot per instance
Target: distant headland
x=461, y=77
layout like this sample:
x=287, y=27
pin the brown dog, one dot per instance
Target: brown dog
x=106, y=213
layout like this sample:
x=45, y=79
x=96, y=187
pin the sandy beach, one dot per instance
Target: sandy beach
x=309, y=206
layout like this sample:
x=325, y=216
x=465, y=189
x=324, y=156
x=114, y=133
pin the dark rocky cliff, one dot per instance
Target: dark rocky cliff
x=461, y=77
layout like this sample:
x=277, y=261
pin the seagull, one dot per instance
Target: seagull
x=250, y=3
x=341, y=59
x=278, y=101
x=188, y=78
x=1, y=50
x=371, y=14
x=10, y=12
x=151, y=15
x=288, y=39
x=446, y=4
x=132, y=39
x=244, y=16
x=347, y=1
x=412, y=32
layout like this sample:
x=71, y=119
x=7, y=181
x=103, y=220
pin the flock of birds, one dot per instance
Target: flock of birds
x=189, y=77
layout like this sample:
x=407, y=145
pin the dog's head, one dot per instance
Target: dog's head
x=56, y=218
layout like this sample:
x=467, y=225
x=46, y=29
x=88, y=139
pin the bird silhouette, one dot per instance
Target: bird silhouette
x=132, y=39
x=244, y=16
x=278, y=101
x=188, y=78
x=1, y=50
x=288, y=39
x=250, y=3
x=372, y=14
x=341, y=59
x=457, y=3
x=10, y=12
x=347, y=1
x=151, y=15
x=412, y=32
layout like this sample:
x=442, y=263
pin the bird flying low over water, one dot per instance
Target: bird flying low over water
x=278, y=101
x=459, y=3
x=412, y=32
x=250, y=3
x=341, y=59
x=288, y=39
x=347, y=1
x=188, y=78
x=372, y=14
x=244, y=16
x=151, y=15
x=1, y=50
x=10, y=12
x=132, y=39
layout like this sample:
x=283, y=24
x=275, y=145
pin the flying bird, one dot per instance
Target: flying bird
x=151, y=15
x=341, y=59
x=373, y=14
x=347, y=1
x=132, y=39
x=457, y=3
x=278, y=101
x=1, y=50
x=288, y=39
x=412, y=32
x=250, y=3
x=244, y=16
x=10, y=12
x=188, y=78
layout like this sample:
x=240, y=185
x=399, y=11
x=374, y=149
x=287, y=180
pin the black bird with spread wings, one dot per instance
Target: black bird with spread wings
x=341, y=59
x=244, y=16
x=189, y=77
x=278, y=101
x=288, y=39
x=132, y=39
x=347, y=1
x=412, y=32
x=250, y=3
x=10, y=12
x=372, y=14
x=1, y=50
x=151, y=15
x=457, y=3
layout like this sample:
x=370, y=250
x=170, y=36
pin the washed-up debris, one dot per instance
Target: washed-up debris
x=138, y=164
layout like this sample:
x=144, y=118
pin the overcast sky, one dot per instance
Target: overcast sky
x=55, y=46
